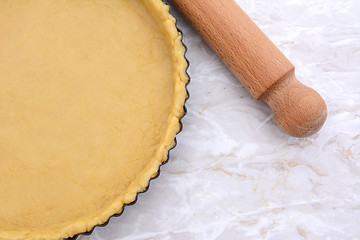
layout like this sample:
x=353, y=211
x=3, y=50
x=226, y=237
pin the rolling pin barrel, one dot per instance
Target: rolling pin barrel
x=257, y=63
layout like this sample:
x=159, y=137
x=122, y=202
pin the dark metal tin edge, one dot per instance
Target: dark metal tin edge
x=168, y=155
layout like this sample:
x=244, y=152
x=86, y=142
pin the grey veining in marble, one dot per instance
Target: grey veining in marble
x=234, y=174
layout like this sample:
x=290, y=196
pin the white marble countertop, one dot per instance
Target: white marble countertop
x=234, y=174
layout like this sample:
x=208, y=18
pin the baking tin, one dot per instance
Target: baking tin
x=168, y=155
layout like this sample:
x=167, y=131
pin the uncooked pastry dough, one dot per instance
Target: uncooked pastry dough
x=90, y=100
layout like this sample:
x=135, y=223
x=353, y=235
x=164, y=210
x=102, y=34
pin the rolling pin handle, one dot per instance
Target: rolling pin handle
x=298, y=110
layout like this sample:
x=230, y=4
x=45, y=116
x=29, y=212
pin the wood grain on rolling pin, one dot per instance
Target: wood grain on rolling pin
x=257, y=63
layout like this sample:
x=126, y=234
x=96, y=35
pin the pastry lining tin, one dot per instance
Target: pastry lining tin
x=91, y=100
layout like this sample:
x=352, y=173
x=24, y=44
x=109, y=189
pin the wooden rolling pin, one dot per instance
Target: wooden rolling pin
x=258, y=64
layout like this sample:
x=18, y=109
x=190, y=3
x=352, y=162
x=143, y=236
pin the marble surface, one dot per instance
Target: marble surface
x=234, y=174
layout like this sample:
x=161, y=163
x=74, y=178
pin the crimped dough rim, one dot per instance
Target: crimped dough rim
x=141, y=182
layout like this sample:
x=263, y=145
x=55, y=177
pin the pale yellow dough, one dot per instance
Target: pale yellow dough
x=90, y=100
